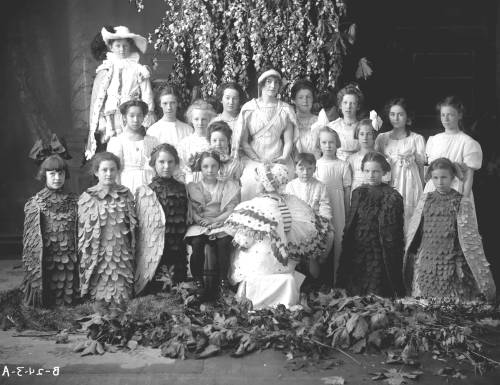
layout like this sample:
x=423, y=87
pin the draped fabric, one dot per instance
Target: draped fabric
x=36, y=97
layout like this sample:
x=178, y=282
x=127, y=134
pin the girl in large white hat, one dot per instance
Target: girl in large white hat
x=119, y=78
x=273, y=233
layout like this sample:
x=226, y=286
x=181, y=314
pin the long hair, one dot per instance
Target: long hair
x=403, y=103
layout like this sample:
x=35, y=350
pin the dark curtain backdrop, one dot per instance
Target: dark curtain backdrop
x=36, y=95
x=48, y=73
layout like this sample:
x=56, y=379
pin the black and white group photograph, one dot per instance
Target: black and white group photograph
x=236, y=192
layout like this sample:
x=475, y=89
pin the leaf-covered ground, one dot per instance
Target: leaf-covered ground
x=330, y=327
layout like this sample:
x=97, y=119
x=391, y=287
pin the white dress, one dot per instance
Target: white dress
x=170, y=132
x=358, y=176
x=457, y=147
x=265, y=235
x=349, y=145
x=405, y=156
x=335, y=174
x=265, y=126
x=187, y=148
x=307, y=140
x=134, y=157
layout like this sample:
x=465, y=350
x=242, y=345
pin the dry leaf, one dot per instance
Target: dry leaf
x=210, y=350
x=333, y=380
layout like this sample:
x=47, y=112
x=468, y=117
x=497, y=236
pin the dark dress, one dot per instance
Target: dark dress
x=373, y=244
x=173, y=199
x=49, y=249
x=441, y=268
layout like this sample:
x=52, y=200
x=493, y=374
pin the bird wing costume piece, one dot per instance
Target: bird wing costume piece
x=150, y=236
x=472, y=247
x=32, y=254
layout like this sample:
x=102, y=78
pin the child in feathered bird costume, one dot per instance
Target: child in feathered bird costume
x=49, y=240
x=162, y=216
x=444, y=253
x=373, y=243
x=106, y=243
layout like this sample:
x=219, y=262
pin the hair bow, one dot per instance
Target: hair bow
x=376, y=120
x=41, y=150
x=194, y=161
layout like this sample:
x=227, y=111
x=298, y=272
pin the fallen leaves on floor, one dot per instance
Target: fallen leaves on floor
x=396, y=377
x=182, y=327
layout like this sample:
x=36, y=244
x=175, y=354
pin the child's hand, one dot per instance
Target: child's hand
x=206, y=221
x=216, y=225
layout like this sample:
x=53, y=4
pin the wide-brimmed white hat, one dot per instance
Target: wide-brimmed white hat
x=122, y=32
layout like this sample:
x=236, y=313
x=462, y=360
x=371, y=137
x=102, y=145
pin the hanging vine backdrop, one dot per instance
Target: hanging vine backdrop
x=221, y=40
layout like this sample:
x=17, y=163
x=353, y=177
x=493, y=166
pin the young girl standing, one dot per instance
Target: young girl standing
x=336, y=175
x=455, y=145
x=230, y=96
x=211, y=202
x=444, y=253
x=133, y=147
x=119, y=78
x=365, y=134
x=49, y=240
x=169, y=129
x=162, y=216
x=106, y=244
x=373, y=245
x=303, y=93
x=350, y=100
x=198, y=115
x=405, y=151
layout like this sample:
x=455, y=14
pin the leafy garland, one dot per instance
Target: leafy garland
x=223, y=40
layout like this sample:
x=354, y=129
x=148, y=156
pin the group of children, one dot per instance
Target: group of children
x=360, y=196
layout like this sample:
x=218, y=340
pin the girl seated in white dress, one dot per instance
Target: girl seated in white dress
x=273, y=232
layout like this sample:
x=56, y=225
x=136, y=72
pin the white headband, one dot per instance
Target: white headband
x=268, y=73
